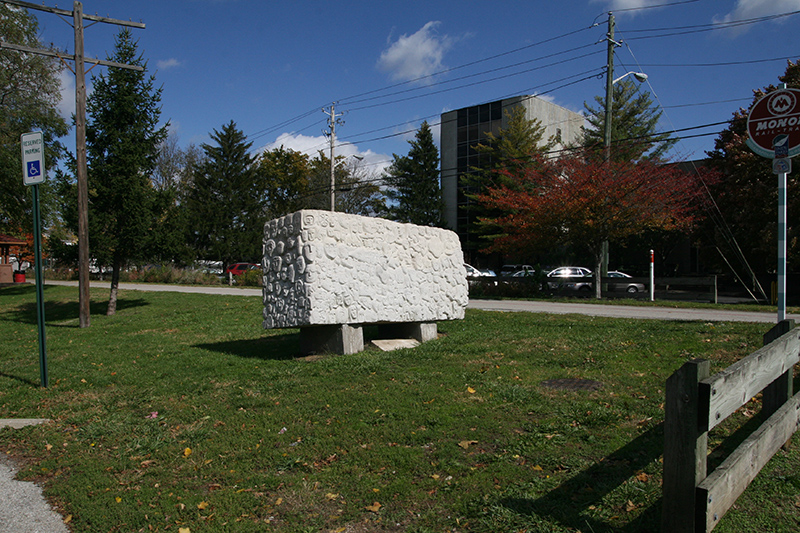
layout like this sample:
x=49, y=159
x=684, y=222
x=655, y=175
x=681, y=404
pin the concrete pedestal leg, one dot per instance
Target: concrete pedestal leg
x=340, y=339
x=421, y=331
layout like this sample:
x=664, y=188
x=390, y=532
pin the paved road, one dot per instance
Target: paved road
x=607, y=310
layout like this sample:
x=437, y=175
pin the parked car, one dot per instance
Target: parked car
x=473, y=272
x=627, y=286
x=510, y=270
x=561, y=278
x=237, y=269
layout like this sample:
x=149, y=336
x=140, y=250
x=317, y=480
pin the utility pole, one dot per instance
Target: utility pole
x=80, y=127
x=333, y=120
x=607, y=132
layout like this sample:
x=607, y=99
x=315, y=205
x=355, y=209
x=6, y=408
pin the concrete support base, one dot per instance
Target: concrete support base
x=421, y=331
x=345, y=339
x=340, y=338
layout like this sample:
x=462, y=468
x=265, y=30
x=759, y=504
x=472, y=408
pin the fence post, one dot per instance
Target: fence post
x=685, y=446
x=779, y=391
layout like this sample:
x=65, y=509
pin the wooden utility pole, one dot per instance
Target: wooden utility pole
x=333, y=120
x=80, y=127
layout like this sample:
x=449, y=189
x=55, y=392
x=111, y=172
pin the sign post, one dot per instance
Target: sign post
x=33, y=171
x=773, y=126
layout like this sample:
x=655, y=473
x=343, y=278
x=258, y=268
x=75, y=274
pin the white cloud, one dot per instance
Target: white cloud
x=66, y=108
x=165, y=64
x=417, y=55
x=747, y=9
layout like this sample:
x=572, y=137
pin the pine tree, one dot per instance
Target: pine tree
x=224, y=210
x=512, y=152
x=122, y=139
x=414, y=194
x=634, y=126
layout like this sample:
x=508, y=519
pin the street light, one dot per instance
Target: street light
x=641, y=77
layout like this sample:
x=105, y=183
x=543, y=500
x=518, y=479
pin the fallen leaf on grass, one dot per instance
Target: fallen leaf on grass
x=202, y=505
x=470, y=390
x=538, y=468
x=331, y=496
x=187, y=452
x=643, y=477
x=466, y=443
x=374, y=508
x=630, y=506
x=184, y=530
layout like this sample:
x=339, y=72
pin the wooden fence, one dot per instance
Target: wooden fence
x=694, y=500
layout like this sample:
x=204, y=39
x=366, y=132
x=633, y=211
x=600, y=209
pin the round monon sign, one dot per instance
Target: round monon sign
x=774, y=124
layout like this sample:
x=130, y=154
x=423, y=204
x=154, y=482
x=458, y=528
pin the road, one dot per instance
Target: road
x=606, y=310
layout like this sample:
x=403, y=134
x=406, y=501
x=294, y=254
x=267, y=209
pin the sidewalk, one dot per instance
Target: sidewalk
x=23, y=508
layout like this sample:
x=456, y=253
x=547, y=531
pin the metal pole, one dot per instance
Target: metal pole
x=781, y=247
x=37, y=230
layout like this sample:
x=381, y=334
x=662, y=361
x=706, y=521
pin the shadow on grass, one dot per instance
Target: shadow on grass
x=281, y=347
x=18, y=378
x=568, y=504
x=62, y=313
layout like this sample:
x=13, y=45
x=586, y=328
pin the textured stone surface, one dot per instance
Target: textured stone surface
x=324, y=268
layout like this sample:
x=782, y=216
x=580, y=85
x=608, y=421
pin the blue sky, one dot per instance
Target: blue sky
x=272, y=66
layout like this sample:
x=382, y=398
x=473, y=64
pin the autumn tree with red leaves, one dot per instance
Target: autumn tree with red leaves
x=580, y=201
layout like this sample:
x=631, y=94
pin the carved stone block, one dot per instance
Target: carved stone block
x=325, y=268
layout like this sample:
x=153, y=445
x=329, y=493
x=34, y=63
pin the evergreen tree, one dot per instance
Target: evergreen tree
x=30, y=91
x=122, y=140
x=513, y=151
x=224, y=209
x=634, y=124
x=414, y=193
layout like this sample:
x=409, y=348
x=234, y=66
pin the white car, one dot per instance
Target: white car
x=569, y=272
x=473, y=272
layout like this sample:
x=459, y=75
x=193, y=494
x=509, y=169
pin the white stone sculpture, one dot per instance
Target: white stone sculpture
x=327, y=268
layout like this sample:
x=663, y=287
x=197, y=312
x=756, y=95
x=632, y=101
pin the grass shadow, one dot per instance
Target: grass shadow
x=19, y=378
x=283, y=347
x=569, y=503
x=66, y=313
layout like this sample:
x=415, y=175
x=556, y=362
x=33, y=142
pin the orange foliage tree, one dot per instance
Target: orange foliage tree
x=579, y=201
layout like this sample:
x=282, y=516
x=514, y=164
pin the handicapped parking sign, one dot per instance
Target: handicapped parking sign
x=32, y=146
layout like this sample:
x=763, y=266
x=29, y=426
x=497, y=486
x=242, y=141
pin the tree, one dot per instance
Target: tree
x=414, y=192
x=357, y=191
x=122, y=140
x=510, y=153
x=580, y=202
x=29, y=97
x=282, y=176
x=747, y=196
x=634, y=123
x=224, y=210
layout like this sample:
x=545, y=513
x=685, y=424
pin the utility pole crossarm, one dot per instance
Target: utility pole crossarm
x=64, y=12
x=52, y=53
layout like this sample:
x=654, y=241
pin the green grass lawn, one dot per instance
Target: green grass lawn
x=182, y=413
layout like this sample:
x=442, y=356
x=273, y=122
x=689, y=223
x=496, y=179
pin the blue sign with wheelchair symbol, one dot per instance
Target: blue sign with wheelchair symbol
x=34, y=169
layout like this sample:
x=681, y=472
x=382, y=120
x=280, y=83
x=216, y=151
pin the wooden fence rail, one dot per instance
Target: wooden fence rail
x=695, y=403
